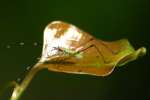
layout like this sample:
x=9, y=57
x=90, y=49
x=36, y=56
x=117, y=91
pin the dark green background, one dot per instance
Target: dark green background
x=24, y=21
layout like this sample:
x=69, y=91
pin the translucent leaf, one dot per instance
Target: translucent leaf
x=68, y=49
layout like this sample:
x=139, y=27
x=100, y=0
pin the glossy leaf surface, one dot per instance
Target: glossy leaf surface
x=68, y=49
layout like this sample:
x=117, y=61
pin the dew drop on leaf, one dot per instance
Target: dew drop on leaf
x=35, y=44
x=18, y=79
x=28, y=68
x=21, y=43
x=8, y=46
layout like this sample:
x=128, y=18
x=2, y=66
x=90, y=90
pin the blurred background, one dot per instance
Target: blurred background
x=21, y=34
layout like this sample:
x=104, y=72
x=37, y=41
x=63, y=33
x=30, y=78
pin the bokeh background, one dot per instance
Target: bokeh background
x=23, y=21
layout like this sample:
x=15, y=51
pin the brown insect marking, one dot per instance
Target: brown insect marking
x=60, y=27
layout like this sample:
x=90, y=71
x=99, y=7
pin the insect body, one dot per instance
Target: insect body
x=70, y=52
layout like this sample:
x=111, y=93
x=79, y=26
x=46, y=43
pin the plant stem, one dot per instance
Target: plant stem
x=19, y=89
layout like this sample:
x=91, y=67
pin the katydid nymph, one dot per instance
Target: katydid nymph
x=68, y=49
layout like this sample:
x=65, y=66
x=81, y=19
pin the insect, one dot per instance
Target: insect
x=68, y=49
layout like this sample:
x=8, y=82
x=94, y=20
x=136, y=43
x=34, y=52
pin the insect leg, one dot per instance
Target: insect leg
x=108, y=48
x=91, y=39
x=92, y=45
